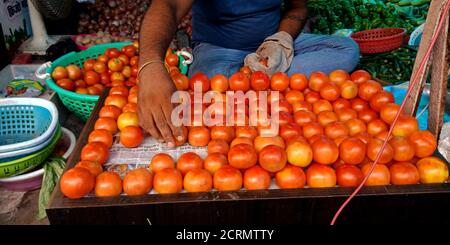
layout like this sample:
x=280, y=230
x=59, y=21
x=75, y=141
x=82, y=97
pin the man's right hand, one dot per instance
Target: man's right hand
x=154, y=106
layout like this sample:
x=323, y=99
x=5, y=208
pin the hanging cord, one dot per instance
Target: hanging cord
x=413, y=82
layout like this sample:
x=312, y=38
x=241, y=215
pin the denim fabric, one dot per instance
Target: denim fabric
x=311, y=53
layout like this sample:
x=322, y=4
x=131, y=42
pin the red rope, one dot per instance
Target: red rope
x=413, y=82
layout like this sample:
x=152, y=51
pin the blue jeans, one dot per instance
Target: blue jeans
x=311, y=53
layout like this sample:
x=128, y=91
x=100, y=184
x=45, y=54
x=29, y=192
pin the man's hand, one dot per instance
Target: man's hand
x=154, y=106
x=277, y=51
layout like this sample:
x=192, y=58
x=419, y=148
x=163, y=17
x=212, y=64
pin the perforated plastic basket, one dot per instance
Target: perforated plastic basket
x=379, y=40
x=26, y=122
x=25, y=164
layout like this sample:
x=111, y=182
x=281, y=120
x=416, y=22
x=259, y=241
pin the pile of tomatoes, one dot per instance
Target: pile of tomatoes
x=331, y=129
x=113, y=68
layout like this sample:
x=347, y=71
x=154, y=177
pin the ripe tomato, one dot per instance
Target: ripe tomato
x=376, y=126
x=322, y=105
x=99, y=87
x=388, y=112
x=91, y=78
x=359, y=104
x=172, y=60
x=378, y=100
x=432, y=170
x=325, y=151
x=341, y=103
x=299, y=153
x=290, y=177
x=272, y=158
x=227, y=178
x=403, y=149
x=246, y=70
x=364, y=137
x=130, y=107
x=119, y=90
x=346, y=114
x=349, y=175
x=102, y=136
x=94, y=168
x=80, y=84
x=138, y=182
x=311, y=129
x=100, y=67
x=352, y=150
x=131, y=136
x=301, y=105
x=298, y=81
x=360, y=76
x=405, y=126
x=168, y=181
x=383, y=135
x=334, y=130
x=214, y=161
x=110, y=111
x=242, y=156
x=294, y=96
x=279, y=81
x=218, y=146
x=239, y=82
x=105, y=78
x=106, y=123
x=379, y=176
x=102, y=58
x=303, y=117
x=374, y=146
x=349, y=90
x=181, y=81
x=66, y=84
x=129, y=50
x=134, y=71
x=259, y=81
x=201, y=79
x=199, y=136
x=326, y=117
x=424, y=143
x=223, y=133
x=261, y=142
x=134, y=61
x=93, y=90
x=108, y=184
x=132, y=98
x=241, y=140
x=256, y=178
x=355, y=126
x=112, y=53
x=219, y=83
x=161, y=161
x=117, y=78
x=88, y=65
x=404, y=173
x=188, y=161
x=95, y=151
x=246, y=131
x=312, y=97
x=317, y=80
x=320, y=176
x=59, y=73
x=198, y=180
x=290, y=131
x=81, y=91
x=73, y=72
x=127, y=119
x=330, y=91
x=367, y=89
x=339, y=76
x=76, y=183
x=367, y=115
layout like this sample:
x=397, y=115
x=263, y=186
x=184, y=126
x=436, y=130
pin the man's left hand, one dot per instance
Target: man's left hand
x=273, y=55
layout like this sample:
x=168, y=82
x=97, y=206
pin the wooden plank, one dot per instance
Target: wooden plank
x=438, y=84
x=430, y=28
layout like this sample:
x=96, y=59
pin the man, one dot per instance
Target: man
x=227, y=33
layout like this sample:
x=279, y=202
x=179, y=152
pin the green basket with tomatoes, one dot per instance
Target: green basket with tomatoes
x=82, y=104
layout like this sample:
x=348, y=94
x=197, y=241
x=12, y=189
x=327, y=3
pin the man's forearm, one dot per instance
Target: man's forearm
x=294, y=18
x=159, y=26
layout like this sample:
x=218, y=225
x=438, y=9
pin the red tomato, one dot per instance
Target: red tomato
x=374, y=146
x=360, y=76
x=106, y=123
x=88, y=65
x=322, y=105
x=91, y=78
x=367, y=115
x=161, y=161
x=260, y=142
x=339, y=76
x=298, y=81
x=404, y=173
x=96, y=152
x=201, y=79
x=168, y=181
x=294, y=96
x=279, y=81
x=59, y=73
x=317, y=80
x=352, y=151
x=325, y=151
x=259, y=81
x=272, y=158
x=299, y=153
x=129, y=50
x=227, y=178
x=330, y=91
x=349, y=90
x=199, y=136
x=172, y=60
x=405, y=126
x=214, y=161
x=424, y=143
x=66, y=84
x=102, y=136
x=188, y=161
x=335, y=130
x=319, y=176
x=367, y=89
x=94, y=168
x=239, y=82
x=76, y=183
x=432, y=170
x=256, y=178
x=311, y=129
x=138, y=182
x=341, y=103
x=73, y=72
x=112, y=53
x=379, y=176
x=219, y=83
x=108, y=184
x=198, y=180
x=403, y=149
x=242, y=156
x=378, y=100
x=290, y=177
x=348, y=175
x=131, y=136
x=346, y=114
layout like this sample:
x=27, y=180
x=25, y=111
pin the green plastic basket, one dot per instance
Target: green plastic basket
x=81, y=104
x=25, y=164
